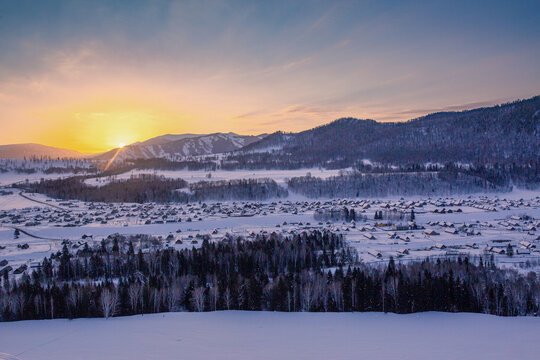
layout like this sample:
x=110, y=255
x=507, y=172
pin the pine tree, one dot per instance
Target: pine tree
x=352, y=214
x=509, y=250
x=131, y=250
x=346, y=213
x=65, y=264
x=115, y=247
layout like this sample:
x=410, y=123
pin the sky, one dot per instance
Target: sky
x=93, y=75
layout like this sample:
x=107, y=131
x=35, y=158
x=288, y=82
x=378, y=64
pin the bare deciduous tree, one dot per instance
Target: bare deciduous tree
x=172, y=297
x=213, y=295
x=227, y=297
x=74, y=298
x=108, y=302
x=198, y=298
x=134, y=293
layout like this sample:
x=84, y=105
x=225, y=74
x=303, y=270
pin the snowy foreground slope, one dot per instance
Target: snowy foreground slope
x=266, y=335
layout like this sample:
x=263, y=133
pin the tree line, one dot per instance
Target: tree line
x=240, y=189
x=138, y=189
x=311, y=271
x=152, y=188
x=357, y=184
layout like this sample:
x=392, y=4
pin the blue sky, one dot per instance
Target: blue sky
x=141, y=68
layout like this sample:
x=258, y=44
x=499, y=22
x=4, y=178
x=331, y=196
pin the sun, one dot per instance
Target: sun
x=121, y=145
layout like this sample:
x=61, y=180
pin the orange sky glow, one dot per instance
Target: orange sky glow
x=92, y=76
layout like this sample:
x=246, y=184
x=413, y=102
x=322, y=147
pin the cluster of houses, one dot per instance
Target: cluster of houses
x=382, y=227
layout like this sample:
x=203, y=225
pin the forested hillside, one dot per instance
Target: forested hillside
x=503, y=134
x=179, y=147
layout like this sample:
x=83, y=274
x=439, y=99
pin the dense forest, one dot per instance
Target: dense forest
x=313, y=271
x=388, y=184
x=139, y=189
x=244, y=189
x=413, y=180
x=206, y=164
x=151, y=188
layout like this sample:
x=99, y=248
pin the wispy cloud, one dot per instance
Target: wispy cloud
x=458, y=107
x=218, y=66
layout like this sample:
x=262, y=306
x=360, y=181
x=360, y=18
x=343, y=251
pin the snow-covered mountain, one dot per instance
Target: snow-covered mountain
x=20, y=151
x=163, y=139
x=179, y=146
x=507, y=133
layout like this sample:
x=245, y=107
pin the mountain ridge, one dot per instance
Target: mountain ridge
x=505, y=132
x=180, y=146
x=502, y=133
x=29, y=150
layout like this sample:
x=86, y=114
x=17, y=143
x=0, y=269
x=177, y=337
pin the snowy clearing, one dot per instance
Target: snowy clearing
x=265, y=335
x=13, y=178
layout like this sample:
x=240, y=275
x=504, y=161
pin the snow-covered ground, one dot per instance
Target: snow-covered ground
x=464, y=225
x=14, y=201
x=490, y=222
x=193, y=176
x=268, y=335
x=14, y=177
x=21, y=170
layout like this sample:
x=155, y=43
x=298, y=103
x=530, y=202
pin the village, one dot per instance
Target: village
x=269, y=180
x=34, y=226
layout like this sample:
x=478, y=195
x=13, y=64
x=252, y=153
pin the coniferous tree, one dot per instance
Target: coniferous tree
x=509, y=250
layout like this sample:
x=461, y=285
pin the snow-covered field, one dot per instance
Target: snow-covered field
x=239, y=335
x=443, y=226
x=14, y=201
x=21, y=170
x=193, y=176
x=13, y=177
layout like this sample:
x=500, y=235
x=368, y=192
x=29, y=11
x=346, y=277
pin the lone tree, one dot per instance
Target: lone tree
x=509, y=250
x=16, y=233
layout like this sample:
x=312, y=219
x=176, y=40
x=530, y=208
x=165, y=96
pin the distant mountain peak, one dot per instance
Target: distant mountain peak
x=28, y=150
x=178, y=146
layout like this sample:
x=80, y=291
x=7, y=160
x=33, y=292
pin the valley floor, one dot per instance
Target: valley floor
x=266, y=335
